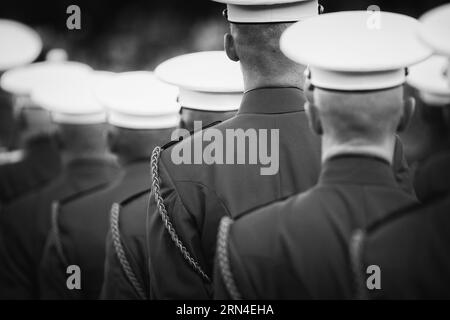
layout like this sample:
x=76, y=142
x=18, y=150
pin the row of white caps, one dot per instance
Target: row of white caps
x=359, y=50
x=432, y=77
x=74, y=93
x=20, y=44
x=270, y=11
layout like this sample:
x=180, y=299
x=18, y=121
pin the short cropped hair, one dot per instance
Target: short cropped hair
x=258, y=47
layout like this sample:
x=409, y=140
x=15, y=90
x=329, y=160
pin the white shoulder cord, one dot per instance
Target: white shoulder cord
x=56, y=234
x=118, y=248
x=356, y=247
x=224, y=260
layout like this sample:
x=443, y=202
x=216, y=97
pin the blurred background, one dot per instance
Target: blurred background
x=132, y=35
x=138, y=34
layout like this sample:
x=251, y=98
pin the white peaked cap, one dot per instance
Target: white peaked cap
x=270, y=11
x=346, y=51
x=19, y=44
x=435, y=29
x=431, y=79
x=22, y=80
x=73, y=101
x=138, y=100
x=208, y=81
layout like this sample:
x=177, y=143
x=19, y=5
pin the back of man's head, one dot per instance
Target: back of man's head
x=32, y=123
x=257, y=47
x=360, y=118
x=89, y=140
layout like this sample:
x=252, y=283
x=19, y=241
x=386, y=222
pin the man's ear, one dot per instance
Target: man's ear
x=409, y=107
x=313, y=118
x=230, y=47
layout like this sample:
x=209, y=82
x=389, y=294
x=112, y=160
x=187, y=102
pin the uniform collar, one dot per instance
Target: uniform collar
x=357, y=169
x=272, y=101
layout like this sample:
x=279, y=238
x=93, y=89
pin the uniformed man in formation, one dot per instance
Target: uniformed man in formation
x=193, y=198
x=33, y=158
x=143, y=112
x=356, y=103
x=210, y=89
x=411, y=247
x=270, y=170
x=88, y=165
x=23, y=47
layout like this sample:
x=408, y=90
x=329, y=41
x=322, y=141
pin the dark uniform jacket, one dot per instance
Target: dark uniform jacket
x=412, y=246
x=41, y=164
x=82, y=226
x=297, y=248
x=196, y=197
x=126, y=275
x=24, y=224
x=432, y=177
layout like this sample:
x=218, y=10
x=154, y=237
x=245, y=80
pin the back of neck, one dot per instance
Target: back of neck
x=383, y=150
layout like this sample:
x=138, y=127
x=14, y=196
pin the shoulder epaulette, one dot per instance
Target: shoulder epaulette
x=133, y=197
x=174, y=142
x=83, y=193
x=224, y=259
x=263, y=205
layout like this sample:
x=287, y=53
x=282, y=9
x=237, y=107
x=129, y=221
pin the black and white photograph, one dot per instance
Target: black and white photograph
x=204, y=152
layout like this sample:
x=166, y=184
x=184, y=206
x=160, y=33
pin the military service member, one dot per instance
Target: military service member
x=207, y=107
x=210, y=88
x=37, y=160
x=356, y=104
x=411, y=248
x=22, y=45
x=189, y=200
x=143, y=112
x=88, y=165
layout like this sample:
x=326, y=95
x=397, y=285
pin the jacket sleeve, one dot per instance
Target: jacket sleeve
x=171, y=276
x=401, y=169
